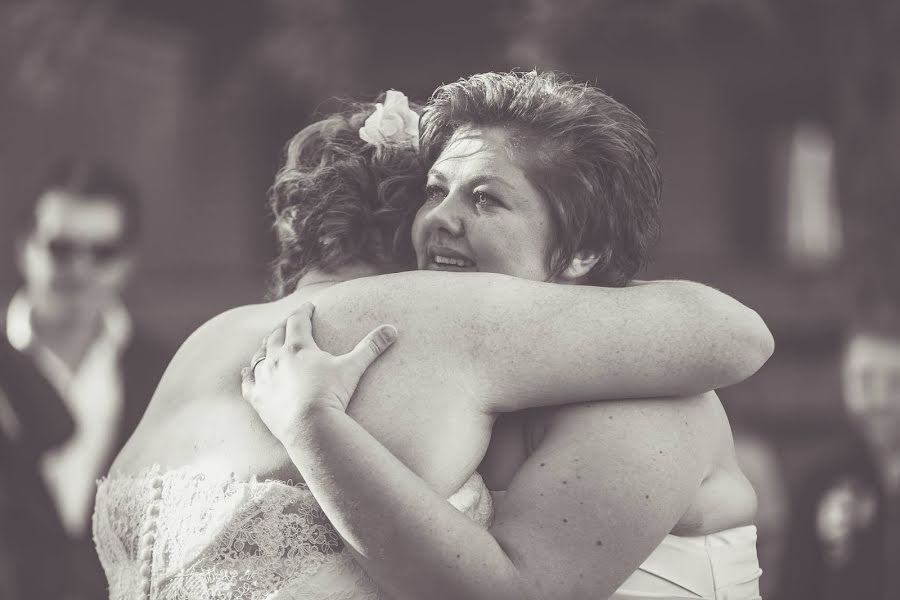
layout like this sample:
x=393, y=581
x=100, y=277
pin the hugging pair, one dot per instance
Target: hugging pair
x=564, y=410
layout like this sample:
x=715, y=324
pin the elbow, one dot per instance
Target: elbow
x=765, y=341
x=743, y=341
x=753, y=346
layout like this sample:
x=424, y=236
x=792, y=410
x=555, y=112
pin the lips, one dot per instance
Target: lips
x=447, y=259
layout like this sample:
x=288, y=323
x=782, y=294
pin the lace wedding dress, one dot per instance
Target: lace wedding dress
x=178, y=535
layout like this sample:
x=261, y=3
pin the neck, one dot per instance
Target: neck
x=68, y=338
x=49, y=318
x=345, y=273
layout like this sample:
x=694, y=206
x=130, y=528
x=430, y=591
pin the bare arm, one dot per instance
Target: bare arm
x=582, y=513
x=526, y=343
x=605, y=484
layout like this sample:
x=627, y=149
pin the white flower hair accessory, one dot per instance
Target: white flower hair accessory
x=393, y=122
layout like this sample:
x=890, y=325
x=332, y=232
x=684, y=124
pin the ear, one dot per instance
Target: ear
x=580, y=265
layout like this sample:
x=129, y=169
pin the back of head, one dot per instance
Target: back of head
x=338, y=199
x=590, y=157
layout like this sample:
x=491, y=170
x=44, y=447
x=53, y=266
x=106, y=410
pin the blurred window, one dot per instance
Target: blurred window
x=813, y=236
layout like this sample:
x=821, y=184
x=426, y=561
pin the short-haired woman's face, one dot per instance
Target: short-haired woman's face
x=480, y=211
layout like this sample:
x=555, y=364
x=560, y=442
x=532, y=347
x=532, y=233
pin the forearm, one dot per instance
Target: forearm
x=410, y=540
x=529, y=343
x=656, y=339
x=723, y=341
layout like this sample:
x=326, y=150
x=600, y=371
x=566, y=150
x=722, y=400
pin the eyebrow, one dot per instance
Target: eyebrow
x=475, y=181
x=437, y=175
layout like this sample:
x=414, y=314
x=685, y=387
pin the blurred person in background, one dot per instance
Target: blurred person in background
x=850, y=512
x=847, y=531
x=34, y=546
x=76, y=256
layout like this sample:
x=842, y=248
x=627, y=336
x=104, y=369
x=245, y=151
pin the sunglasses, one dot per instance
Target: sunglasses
x=65, y=250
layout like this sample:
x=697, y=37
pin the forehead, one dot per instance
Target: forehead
x=97, y=218
x=480, y=152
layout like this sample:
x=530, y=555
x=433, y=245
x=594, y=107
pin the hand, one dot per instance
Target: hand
x=290, y=376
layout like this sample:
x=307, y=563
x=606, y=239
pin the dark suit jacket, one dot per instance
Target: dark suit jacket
x=33, y=543
x=142, y=365
x=838, y=537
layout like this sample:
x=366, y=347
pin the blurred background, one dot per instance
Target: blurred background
x=777, y=122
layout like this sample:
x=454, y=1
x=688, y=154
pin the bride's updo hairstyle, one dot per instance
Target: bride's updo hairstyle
x=338, y=199
x=590, y=158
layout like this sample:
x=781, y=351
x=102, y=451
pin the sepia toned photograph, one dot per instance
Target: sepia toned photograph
x=473, y=300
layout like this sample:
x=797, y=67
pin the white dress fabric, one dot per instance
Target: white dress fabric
x=178, y=535
x=719, y=566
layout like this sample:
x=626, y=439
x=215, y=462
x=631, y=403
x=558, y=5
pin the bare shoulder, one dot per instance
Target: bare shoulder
x=220, y=344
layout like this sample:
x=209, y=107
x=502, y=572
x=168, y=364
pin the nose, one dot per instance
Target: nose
x=80, y=265
x=446, y=215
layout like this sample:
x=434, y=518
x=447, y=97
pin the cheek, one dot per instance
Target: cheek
x=36, y=264
x=114, y=276
x=417, y=232
x=507, y=246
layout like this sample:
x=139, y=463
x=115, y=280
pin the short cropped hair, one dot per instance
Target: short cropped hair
x=590, y=157
x=338, y=199
x=92, y=181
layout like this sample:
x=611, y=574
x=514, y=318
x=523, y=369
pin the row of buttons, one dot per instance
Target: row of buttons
x=148, y=537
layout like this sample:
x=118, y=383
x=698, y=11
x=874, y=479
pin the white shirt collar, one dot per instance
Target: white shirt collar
x=116, y=324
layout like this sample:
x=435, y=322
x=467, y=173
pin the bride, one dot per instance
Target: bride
x=204, y=502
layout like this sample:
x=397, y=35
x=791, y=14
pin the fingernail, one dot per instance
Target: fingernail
x=389, y=333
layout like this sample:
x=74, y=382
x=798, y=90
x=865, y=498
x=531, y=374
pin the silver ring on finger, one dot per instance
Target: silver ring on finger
x=256, y=362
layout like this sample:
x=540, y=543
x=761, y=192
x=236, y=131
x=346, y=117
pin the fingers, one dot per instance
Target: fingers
x=275, y=341
x=257, y=359
x=247, y=383
x=298, y=328
x=372, y=346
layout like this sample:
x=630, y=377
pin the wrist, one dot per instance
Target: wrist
x=309, y=421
